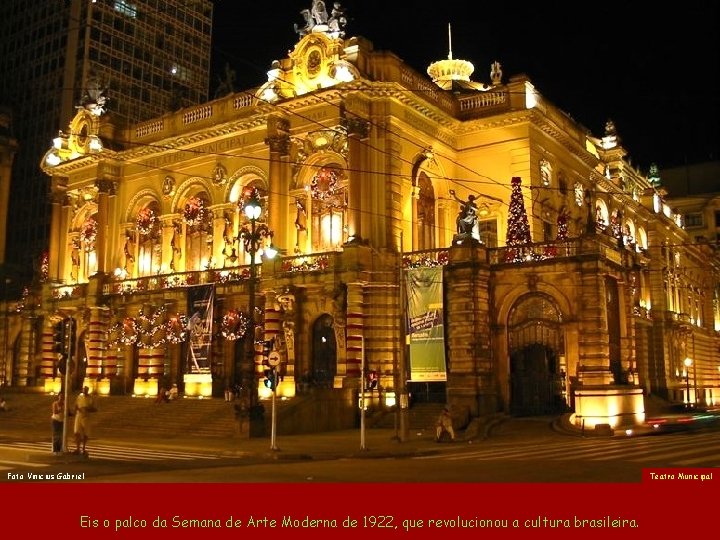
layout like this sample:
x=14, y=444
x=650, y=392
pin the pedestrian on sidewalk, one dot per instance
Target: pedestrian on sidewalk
x=444, y=424
x=84, y=406
x=57, y=418
x=162, y=395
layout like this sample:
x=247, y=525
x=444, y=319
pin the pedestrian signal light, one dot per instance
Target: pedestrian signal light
x=270, y=379
x=62, y=363
x=72, y=330
x=59, y=337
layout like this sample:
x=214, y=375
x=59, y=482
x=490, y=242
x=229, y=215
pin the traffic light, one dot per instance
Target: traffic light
x=372, y=380
x=270, y=379
x=62, y=363
x=72, y=331
x=59, y=337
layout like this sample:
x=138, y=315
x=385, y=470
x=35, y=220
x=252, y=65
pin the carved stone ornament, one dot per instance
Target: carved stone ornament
x=168, y=187
x=219, y=175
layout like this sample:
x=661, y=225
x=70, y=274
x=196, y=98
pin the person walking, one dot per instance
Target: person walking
x=57, y=418
x=84, y=405
x=444, y=424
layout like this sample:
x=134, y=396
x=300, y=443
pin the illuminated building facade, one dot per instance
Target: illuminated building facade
x=577, y=288
x=152, y=56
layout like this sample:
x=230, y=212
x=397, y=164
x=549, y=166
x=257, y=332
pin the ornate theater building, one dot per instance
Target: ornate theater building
x=437, y=238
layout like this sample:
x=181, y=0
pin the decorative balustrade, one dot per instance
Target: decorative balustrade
x=431, y=257
x=197, y=114
x=177, y=281
x=245, y=100
x=69, y=292
x=149, y=128
x=533, y=252
x=483, y=101
x=642, y=312
x=306, y=263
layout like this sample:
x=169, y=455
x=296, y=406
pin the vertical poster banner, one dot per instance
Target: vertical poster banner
x=426, y=332
x=200, y=326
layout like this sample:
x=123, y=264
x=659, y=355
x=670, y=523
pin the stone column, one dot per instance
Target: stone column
x=594, y=366
x=26, y=355
x=358, y=130
x=218, y=238
x=278, y=139
x=472, y=370
x=414, y=196
x=106, y=188
x=355, y=329
x=441, y=235
x=57, y=234
x=99, y=366
x=167, y=249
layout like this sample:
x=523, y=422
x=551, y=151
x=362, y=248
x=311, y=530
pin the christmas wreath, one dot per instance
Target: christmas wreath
x=146, y=220
x=176, y=329
x=324, y=184
x=194, y=211
x=89, y=232
x=234, y=325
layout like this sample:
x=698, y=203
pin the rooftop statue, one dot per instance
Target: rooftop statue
x=317, y=20
x=93, y=100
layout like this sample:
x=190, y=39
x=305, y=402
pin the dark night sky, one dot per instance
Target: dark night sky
x=653, y=70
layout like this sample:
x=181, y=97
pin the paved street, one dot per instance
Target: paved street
x=514, y=450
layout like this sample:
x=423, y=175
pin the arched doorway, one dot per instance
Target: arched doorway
x=537, y=361
x=324, y=360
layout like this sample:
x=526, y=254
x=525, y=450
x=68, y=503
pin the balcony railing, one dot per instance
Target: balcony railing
x=177, y=281
x=69, y=292
x=533, y=252
x=306, y=263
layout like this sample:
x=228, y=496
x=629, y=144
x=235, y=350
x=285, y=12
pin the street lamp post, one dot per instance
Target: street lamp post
x=252, y=242
x=688, y=362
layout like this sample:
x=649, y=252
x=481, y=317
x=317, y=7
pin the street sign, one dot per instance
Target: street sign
x=274, y=358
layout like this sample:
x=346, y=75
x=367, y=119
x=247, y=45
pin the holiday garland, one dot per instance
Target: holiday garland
x=123, y=332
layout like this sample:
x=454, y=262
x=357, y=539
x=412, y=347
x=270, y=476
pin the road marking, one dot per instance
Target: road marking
x=119, y=453
x=21, y=464
x=699, y=449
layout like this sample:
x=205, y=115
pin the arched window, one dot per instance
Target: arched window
x=629, y=234
x=642, y=241
x=329, y=204
x=147, y=226
x=426, y=212
x=602, y=216
x=545, y=172
x=83, y=257
x=197, y=221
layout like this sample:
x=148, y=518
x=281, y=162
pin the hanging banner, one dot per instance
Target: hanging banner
x=200, y=326
x=426, y=333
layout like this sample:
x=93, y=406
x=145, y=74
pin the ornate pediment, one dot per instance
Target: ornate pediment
x=81, y=139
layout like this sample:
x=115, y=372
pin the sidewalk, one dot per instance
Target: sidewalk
x=377, y=443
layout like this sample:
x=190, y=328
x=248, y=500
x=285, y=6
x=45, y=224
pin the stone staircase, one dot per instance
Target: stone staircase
x=421, y=417
x=214, y=417
x=119, y=415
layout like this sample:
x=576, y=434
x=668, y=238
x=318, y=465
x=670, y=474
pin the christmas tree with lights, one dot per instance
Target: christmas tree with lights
x=518, y=232
x=562, y=234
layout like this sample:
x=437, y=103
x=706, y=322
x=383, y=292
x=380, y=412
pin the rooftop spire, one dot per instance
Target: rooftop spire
x=449, y=42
